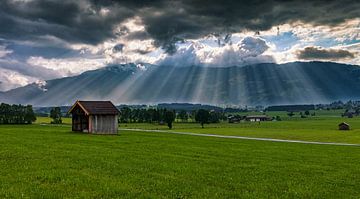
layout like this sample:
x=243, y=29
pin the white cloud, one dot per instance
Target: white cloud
x=345, y=36
x=132, y=24
x=4, y=51
x=14, y=74
x=185, y=56
x=96, y=56
x=132, y=50
x=348, y=30
x=67, y=66
x=11, y=79
x=249, y=50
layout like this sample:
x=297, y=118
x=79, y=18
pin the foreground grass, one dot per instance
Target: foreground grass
x=52, y=162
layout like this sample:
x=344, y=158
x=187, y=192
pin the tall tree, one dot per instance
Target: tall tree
x=290, y=114
x=202, y=116
x=55, y=114
x=183, y=115
x=29, y=115
x=214, y=117
x=156, y=115
x=125, y=114
x=169, y=117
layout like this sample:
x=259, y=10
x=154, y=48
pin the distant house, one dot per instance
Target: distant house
x=344, y=126
x=97, y=117
x=349, y=113
x=233, y=119
x=257, y=118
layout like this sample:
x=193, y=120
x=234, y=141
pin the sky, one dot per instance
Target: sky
x=47, y=39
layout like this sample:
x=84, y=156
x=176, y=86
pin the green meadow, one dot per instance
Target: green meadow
x=47, y=120
x=322, y=128
x=40, y=161
x=50, y=161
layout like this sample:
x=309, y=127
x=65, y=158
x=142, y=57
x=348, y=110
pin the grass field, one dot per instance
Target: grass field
x=47, y=120
x=322, y=128
x=38, y=161
x=284, y=114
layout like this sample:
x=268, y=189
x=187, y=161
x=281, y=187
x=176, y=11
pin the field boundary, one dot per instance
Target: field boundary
x=241, y=137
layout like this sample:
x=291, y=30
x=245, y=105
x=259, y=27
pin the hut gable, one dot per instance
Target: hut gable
x=97, y=117
x=344, y=126
x=96, y=107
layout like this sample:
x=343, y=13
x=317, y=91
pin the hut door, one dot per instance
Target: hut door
x=80, y=120
x=84, y=123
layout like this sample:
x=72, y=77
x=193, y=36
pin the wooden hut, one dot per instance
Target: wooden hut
x=97, y=117
x=344, y=126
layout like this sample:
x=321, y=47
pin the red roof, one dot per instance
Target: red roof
x=96, y=107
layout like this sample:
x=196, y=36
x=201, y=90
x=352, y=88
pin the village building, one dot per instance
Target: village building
x=96, y=117
x=233, y=119
x=344, y=126
x=257, y=118
x=349, y=113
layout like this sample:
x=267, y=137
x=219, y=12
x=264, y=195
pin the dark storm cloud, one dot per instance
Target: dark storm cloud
x=73, y=21
x=143, y=52
x=195, y=18
x=165, y=21
x=140, y=35
x=311, y=53
x=118, y=48
x=24, y=51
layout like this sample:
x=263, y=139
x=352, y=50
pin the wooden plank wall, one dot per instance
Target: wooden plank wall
x=104, y=124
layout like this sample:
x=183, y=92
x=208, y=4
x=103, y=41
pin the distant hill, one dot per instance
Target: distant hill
x=260, y=84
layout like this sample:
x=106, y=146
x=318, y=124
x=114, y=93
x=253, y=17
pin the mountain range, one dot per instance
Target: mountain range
x=259, y=84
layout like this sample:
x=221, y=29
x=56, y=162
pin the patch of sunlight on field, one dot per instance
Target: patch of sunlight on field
x=47, y=120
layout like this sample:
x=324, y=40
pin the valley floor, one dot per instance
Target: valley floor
x=314, y=130
x=41, y=161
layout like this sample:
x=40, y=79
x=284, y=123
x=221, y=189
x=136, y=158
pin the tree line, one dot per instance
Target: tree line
x=16, y=114
x=163, y=115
